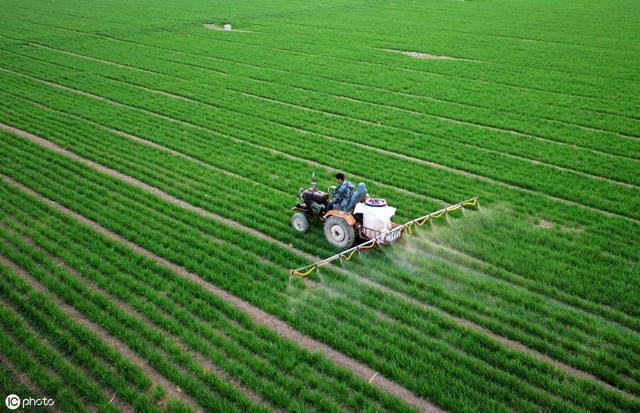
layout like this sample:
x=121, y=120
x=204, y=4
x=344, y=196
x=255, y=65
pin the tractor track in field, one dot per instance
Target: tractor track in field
x=359, y=31
x=557, y=295
x=169, y=198
x=323, y=166
x=178, y=154
x=238, y=140
x=326, y=167
x=341, y=60
x=443, y=166
x=107, y=62
x=438, y=117
x=227, y=136
x=157, y=146
x=257, y=315
x=404, y=94
x=96, y=329
x=515, y=86
x=466, y=144
x=195, y=126
x=209, y=366
x=54, y=353
x=200, y=358
x=508, y=343
x=407, y=157
x=366, y=86
x=442, y=118
x=160, y=147
x=496, y=63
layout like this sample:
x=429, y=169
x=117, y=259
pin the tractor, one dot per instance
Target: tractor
x=368, y=218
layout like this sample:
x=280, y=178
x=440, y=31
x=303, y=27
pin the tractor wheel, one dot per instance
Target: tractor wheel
x=299, y=222
x=338, y=233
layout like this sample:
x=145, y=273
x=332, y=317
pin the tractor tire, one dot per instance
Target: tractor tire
x=339, y=233
x=299, y=222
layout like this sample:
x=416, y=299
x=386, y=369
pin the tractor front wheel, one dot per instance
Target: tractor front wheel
x=339, y=233
x=299, y=222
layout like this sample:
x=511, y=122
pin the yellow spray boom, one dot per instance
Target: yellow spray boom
x=384, y=238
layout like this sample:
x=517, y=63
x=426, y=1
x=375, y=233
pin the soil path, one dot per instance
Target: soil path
x=171, y=389
x=206, y=165
x=128, y=309
x=169, y=198
x=256, y=314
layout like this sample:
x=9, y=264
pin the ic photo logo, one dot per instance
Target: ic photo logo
x=14, y=402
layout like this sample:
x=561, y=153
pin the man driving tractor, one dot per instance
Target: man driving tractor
x=344, y=196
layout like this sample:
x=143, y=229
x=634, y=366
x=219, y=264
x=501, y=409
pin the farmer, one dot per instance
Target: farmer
x=342, y=194
x=344, y=197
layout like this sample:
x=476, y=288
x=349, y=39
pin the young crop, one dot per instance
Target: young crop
x=503, y=308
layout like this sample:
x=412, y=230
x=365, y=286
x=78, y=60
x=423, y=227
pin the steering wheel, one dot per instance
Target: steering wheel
x=332, y=190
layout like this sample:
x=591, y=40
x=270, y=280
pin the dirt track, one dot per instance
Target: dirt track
x=256, y=314
x=169, y=198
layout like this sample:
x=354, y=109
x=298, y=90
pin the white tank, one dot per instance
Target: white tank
x=377, y=218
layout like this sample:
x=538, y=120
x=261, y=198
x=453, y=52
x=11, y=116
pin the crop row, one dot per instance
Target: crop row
x=617, y=249
x=589, y=191
x=210, y=392
x=594, y=192
x=156, y=167
x=551, y=84
x=534, y=206
x=321, y=318
x=284, y=375
x=193, y=178
x=371, y=59
x=472, y=119
x=605, y=122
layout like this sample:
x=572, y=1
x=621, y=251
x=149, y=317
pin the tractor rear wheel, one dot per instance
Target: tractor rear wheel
x=299, y=222
x=339, y=233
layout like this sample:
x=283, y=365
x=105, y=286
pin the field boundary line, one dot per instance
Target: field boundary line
x=258, y=316
x=108, y=339
x=169, y=198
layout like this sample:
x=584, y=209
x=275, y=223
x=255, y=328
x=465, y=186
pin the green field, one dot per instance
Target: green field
x=149, y=162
